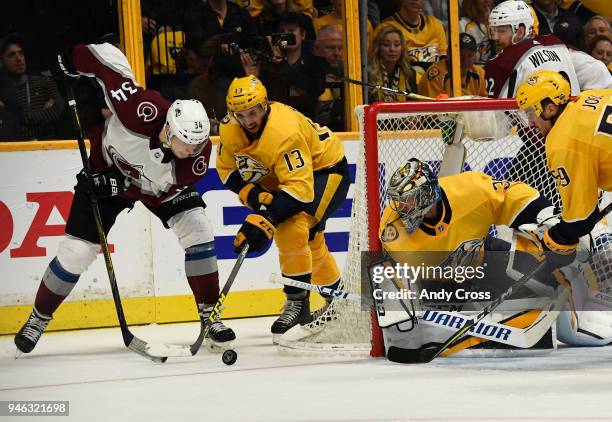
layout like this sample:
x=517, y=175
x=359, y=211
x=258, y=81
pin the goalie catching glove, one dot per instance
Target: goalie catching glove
x=107, y=183
x=258, y=229
x=253, y=196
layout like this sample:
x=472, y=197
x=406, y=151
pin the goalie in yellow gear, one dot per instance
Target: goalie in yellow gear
x=294, y=175
x=443, y=223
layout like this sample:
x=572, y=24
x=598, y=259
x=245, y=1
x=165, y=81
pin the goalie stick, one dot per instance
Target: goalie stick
x=519, y=337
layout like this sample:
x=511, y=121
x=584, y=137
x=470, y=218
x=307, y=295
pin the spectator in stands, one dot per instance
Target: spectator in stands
x=335, y=18
x=389, y=65
x=10, y=124
x=230, y=24
x=424, y=34
x=555, y=20
x=601, y=49
x=597, y=25
x=576, y=6
x=475, y=21
x=293, y=75
x=439, y=9
x=204, y=87
x=387, y=7
x=274, y=10
x=437, y=80
x=330, y=110
x=38, y=97
x=255, y=7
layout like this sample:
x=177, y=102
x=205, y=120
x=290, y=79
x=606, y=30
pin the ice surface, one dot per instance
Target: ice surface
x=106, y=382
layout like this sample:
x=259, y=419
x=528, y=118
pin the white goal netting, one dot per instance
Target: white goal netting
x=390, y=134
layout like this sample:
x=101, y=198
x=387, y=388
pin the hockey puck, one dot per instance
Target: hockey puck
x=229, y=357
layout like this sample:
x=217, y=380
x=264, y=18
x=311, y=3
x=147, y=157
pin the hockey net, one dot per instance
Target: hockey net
x=390, y=134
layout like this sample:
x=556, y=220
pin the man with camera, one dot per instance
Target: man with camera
x=291, y=73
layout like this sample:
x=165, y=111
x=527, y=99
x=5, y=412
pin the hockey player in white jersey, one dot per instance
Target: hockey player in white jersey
x=148, y=150
x=519, y=55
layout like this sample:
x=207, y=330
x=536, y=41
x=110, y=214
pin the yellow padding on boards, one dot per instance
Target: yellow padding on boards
x=139, y=311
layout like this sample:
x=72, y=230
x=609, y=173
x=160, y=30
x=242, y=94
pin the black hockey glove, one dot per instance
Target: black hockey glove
x=253, y=196
x=539, y=244
x=65, y=68
x=258, y=229
x=108, y=183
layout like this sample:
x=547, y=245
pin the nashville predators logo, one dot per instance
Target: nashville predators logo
x=250, y=170
x=465, y=255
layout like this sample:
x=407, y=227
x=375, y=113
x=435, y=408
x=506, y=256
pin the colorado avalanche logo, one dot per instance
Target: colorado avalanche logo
x=250, y=170
x=147, y=111
x=133, y=171
x=199, y=166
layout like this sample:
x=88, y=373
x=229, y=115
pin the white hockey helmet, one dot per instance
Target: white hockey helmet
x=188, y=121
x=513, y=13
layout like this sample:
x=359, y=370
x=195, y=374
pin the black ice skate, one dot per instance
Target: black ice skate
x=295, y=312
x=219, y=335
x=30, y=333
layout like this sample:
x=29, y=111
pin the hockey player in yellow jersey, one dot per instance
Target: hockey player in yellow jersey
x=430, y=214
x=445, y=222
x=578, y=151
x=293, y=174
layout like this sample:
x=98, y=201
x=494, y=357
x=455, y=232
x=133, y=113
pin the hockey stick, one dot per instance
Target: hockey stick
x=341, y=294
x=519, y=337
x=409, y=95
x=131, y=342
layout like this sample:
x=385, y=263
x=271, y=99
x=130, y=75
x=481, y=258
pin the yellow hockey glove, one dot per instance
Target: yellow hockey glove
x=257, y=229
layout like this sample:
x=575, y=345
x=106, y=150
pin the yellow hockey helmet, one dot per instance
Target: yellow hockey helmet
x=244, y=93
x=541, y=85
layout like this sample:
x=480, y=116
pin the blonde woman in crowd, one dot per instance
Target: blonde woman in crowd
x=389, y=65
x=475, y=21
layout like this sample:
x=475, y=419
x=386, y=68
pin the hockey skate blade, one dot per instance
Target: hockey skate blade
x=294, y=334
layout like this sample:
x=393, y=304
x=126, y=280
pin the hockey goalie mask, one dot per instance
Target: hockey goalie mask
x=188, y=122
x=412, y=191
